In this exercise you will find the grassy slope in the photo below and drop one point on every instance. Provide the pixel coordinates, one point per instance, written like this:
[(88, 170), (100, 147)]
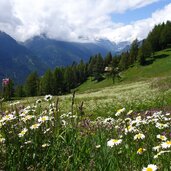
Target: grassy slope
[(160, 67)]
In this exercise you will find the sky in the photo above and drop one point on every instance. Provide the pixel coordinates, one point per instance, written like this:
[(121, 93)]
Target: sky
[(116, 20)]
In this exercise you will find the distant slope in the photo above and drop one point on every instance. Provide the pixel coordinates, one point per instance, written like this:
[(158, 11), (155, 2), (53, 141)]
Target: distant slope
[(61, 53), (16, 61), (160, 67)]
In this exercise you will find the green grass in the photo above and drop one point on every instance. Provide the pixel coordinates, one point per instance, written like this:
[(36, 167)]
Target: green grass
[(160, 67), (74, 142), (91, 86)]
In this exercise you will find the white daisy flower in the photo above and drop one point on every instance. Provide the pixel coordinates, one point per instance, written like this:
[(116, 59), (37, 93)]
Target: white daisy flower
[(161, 137), (23, 132), (28, 142), (120, 111), (139, 136), (113, 142), (161, 125), (43, 119), (48, 97), (98, 146), (166, 144), (130, 112), (108, 121), (45, 145), (8, 117), (35, 126), (150, 167), (38, 101), (2, 140), (27, 117), (157, 148)]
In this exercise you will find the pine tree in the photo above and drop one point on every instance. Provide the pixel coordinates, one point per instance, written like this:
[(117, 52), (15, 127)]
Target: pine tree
[(47, 83), (124, 61), (58, 81), (144, 52), (165, 36), (68, 79), (154, 37), (108, 59), (81, 71), (19, 91), (91, 65), (32, 84), (133, 52)]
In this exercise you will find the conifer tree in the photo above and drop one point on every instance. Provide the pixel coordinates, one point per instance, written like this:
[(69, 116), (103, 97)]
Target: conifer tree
[(165, 37), (154, 37), (133, 52), (144, 52), (68, 79), (32, 84), (19, 91), (108, 59), (47, 83), (58, 81), (124, 61)]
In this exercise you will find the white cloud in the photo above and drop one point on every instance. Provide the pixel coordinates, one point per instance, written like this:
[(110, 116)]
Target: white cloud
[(141, 28), (69, 19)]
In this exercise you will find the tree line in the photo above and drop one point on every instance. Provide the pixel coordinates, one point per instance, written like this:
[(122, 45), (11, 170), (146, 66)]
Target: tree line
[(63, 79)]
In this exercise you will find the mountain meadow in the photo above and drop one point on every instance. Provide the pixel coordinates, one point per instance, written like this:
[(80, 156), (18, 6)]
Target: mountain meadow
[(107, 113)]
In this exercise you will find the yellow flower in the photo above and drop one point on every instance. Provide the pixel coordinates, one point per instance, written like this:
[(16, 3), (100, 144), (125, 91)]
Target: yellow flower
[(141, 150)]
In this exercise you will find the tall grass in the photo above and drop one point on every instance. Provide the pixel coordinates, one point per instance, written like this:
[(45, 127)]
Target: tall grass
[(35, 137)]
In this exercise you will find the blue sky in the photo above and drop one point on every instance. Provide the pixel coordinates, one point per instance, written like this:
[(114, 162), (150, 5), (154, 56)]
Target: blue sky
[(140, 13)]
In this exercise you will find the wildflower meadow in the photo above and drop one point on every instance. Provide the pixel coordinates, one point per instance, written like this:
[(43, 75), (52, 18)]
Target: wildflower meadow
[(38, 137)]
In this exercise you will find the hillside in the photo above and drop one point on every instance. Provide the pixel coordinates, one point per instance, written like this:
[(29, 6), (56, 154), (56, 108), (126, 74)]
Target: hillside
[(159, 66)]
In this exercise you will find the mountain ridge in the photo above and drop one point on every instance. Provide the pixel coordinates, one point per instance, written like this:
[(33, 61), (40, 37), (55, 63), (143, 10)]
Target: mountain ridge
[(64, 53), (18, 59)]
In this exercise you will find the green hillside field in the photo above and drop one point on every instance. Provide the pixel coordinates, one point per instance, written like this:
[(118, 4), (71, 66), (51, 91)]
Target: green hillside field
[(157, 67)]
